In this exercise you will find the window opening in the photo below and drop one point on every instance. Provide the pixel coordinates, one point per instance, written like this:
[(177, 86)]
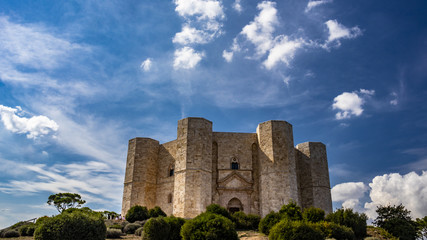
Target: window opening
[(234, 164)]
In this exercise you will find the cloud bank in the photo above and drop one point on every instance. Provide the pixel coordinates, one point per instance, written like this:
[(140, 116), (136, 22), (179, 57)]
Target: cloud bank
[(389, 189)]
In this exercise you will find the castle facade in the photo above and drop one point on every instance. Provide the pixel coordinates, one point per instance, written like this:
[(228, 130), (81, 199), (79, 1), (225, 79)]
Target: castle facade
[(250, 172)]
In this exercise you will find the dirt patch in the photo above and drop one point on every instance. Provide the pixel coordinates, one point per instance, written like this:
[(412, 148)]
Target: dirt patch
[(251, 235)]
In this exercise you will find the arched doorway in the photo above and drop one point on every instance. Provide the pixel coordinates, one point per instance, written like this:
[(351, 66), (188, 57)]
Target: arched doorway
[(234, 205)]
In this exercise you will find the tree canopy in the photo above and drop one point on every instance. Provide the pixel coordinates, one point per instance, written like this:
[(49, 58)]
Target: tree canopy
[(397, 221), (63, 201)]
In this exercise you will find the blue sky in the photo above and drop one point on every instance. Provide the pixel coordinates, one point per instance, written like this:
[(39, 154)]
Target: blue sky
[(78, 79)]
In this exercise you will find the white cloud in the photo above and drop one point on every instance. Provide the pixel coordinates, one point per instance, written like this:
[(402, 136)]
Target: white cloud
[(190, 35), (186, 58), (205, 9), (34, 127), (395, 100), (237, 6), (394, 189), (338, 31), (146, 65), (349, 190), (228, 56), (349, 104), (283, 51), (313, 4), (349, 194), (260, 31)]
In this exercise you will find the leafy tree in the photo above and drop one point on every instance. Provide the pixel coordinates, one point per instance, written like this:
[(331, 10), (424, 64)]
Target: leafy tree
[(348, 218), (62, 201), (397, 221), (313, 214), (422, 227)]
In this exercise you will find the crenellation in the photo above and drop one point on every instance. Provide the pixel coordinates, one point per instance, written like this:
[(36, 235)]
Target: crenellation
[(251, 172)]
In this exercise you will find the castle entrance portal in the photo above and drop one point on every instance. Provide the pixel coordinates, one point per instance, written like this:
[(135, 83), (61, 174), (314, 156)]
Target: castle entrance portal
[(234, 205)]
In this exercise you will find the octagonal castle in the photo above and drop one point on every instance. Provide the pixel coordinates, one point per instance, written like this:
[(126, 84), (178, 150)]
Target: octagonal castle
[(250, 172)]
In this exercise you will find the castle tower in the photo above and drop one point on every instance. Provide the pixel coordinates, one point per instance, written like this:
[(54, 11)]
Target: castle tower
[(193, 167), (277, 167), (141, 171), (313, 176)]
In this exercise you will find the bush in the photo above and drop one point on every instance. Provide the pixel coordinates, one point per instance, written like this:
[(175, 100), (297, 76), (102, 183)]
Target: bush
[(291, 211), (156, 212), (296, 230), (348, 218), (175, 224), (156, 229), (313, 214), (10, 234), (71, 226), (31, 229), (41, 220), (131, 228), (137, 213), (23, 230), (138, 231), (115, 226), (246, 222), (209, 226), (268, 222), (114, 233), (217, 209)]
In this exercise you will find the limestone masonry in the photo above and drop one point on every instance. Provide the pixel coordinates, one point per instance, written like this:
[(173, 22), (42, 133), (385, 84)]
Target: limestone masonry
[(250, 172)]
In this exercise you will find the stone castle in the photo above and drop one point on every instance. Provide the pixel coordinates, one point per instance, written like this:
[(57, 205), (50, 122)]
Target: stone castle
[(250, 172)]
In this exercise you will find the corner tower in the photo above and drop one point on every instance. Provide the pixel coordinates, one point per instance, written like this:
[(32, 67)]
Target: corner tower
[(141, 171), (193, 167), (277, 167), (313, 176)]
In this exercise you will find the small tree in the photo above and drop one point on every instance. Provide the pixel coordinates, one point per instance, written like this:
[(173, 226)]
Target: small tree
[(62, 201), (291, 211), (397, 221)]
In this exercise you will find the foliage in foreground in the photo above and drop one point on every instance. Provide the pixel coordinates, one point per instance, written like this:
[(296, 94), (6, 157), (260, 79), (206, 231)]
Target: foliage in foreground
[(137, 213), (298, 230), (70, 226), (209, 226)]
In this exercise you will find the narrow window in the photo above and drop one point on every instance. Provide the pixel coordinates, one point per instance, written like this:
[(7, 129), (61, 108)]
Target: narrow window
[(234, 163), (170, 198), (171, 172)]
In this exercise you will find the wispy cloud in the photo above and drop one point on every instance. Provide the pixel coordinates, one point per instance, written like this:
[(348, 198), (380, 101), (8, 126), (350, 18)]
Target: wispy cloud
[(350, 104), (237, 5), (146, 65), (313, 4)]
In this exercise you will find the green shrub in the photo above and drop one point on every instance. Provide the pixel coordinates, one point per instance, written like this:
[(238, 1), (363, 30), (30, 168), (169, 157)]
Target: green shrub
[(296, 230), (138, 231), (268, 222), (131, 228), (156, 212), (137, 213), (340, 232), (175, 224), (30, 230), (313, 214), (382, 232), (17, 225), (209, 226), (291, 211), (114, 233), (115, 226), (348, 218), (71, 226), (27, 229), (10, 234), (246, 222), (156, 229), (217, 209), (41, 220), (397, 221)]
